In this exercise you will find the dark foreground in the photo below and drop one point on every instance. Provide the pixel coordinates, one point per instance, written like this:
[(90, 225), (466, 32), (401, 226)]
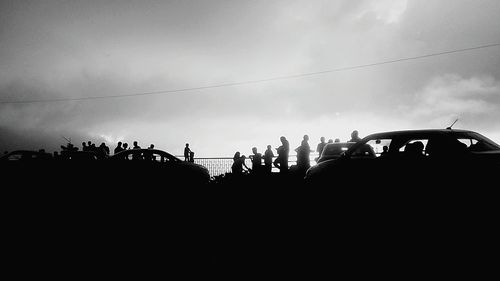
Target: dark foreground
[(72, 222)]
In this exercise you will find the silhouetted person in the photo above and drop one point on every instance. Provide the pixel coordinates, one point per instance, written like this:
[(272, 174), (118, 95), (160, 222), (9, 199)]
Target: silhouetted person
[(125, 146), (236, 156), (303, 153), (385, 150), (330, 141), (148, 155), (136, 155), (187, 152), (152, 146), (444, 148), (84, 146), (256, 161), (268, 159), (103, 149), (118, 148), (136, 146), (337, 140), (354, 136), (320, 146), (414, 150), (281, 161), (238, 164)]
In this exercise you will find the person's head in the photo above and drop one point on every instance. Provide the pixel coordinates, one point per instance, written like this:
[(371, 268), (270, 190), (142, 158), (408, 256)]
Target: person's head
[(243, 157), (354, 134), (418, 147), (187, 144), (385, 148), (337, 140), (282, 139), (89, 143), (254, 150), (135, 143), (119, 143), (237, 154), (269, 146), (306, 137), (84, 144), (125, 145), (152, 146), (322, 139), (330, 141)]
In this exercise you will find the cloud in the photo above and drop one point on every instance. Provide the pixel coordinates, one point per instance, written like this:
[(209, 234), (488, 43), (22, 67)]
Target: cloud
[(387, 11), (474, 100)]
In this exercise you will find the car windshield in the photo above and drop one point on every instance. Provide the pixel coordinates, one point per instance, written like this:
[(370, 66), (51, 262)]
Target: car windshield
[(478, 143)]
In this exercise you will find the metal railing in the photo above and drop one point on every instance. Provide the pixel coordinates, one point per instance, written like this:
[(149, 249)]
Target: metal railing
[(221, 165)]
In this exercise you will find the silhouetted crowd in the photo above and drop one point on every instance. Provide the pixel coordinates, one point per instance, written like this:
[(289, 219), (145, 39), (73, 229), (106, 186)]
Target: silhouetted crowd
[(262, 164)]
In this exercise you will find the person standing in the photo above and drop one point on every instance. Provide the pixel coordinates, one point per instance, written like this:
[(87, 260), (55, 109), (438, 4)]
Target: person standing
[(303, 154), (239, 166), (136, 146), (354, 136), (268, 159), (118, 148), (281, 161), (256, 161), (320, 147), (187, 153)]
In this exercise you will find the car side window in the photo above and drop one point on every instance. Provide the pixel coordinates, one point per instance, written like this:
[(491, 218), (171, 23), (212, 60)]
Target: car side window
[(157, 157), (14, 157), (475, 145), (415, 146), (130, 156), (374, 148)]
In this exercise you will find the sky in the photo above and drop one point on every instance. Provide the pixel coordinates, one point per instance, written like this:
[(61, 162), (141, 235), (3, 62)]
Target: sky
[(57, 49)]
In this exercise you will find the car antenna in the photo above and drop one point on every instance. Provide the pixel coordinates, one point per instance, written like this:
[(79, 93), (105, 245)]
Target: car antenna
[(449, 128), (66, 139)]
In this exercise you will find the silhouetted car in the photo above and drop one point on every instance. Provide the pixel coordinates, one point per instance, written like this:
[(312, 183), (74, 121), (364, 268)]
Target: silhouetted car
[(415, 155), (332, 151), (155, 165), (81, 156), (25, 155)]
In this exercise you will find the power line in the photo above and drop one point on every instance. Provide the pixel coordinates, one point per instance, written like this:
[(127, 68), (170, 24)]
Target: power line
[(255, 81)]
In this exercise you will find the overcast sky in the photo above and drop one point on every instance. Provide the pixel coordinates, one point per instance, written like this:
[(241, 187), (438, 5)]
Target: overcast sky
[(72, 49)]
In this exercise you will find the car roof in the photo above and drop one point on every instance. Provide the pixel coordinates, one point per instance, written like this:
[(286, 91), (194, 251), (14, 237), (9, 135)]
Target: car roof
[(418, 133), (144, 150), (340, 143)]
